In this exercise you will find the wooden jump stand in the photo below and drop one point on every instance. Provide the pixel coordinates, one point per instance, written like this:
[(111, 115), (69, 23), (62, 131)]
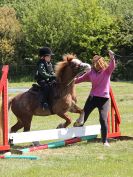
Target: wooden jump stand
[(4, 114), (114, 119)]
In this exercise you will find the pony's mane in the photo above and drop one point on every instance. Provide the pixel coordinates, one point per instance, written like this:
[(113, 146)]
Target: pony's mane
[(62, 64)]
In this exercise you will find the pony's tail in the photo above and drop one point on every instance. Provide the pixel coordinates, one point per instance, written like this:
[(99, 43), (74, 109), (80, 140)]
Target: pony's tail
[(1, 110), (9, 103)]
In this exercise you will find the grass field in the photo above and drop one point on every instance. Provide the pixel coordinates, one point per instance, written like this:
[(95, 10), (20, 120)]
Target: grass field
[(82, 159)]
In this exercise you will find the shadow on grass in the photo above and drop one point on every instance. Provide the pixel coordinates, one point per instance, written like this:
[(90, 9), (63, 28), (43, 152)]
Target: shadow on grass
[(124, 138), (17, 149), (120, 138)]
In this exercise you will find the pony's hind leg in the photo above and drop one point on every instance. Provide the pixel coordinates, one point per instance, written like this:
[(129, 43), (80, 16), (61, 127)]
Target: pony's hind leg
[(22, 123), (16, 127), (27, 123)]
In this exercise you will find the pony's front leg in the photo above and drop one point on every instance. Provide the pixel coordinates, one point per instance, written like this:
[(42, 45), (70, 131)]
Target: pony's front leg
[(67, 118), (80, 120)]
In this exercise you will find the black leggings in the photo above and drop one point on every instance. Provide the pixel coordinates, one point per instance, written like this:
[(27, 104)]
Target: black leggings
[(46, 90), (103, 106)]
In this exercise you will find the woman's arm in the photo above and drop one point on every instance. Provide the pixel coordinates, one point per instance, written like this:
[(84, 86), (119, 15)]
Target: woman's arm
[(84, 78), (112, 63)]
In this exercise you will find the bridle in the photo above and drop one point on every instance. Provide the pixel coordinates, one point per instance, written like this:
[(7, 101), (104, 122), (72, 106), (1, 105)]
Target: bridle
[(69, 83), (79, 74)]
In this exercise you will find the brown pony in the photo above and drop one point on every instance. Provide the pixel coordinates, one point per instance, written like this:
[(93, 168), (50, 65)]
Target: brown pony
[(27, 104)]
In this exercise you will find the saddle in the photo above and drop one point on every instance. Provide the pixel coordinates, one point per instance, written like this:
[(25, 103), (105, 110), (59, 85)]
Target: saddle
[(36, 88), (39, 91)]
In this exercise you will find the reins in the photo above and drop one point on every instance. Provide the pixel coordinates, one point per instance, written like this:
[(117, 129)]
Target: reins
[(74, 78), (63, 83), (67, 85)]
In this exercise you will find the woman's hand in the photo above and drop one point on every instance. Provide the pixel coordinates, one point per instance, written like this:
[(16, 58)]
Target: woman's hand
[(111, 54)]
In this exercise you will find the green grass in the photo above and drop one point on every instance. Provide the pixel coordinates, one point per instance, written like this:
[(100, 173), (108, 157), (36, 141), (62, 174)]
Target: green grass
[(20, 84), (82, 159)]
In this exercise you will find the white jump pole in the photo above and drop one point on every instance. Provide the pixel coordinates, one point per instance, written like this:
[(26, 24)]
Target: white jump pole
[(53, 134)]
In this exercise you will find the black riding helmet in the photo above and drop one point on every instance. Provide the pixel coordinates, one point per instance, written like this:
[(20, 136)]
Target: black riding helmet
[(44, 51)]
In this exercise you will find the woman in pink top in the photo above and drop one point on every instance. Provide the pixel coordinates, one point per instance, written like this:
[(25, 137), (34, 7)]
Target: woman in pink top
[(99, 76)]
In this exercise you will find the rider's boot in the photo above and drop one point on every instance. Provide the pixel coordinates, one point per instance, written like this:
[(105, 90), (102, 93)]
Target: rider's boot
[(45, 105)]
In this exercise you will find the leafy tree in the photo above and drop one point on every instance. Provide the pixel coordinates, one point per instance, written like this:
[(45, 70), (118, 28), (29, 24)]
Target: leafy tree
[(9, 34), (123, 14), (93, 32), (84, 27), (78, 26), (123, 18)]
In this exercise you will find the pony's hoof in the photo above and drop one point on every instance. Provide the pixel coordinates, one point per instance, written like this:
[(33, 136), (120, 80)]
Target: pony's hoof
[(60, 126), (36, 143), (78, 124)]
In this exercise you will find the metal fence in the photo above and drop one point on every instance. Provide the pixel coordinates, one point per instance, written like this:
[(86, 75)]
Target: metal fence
[(26, 73), (21, 72)]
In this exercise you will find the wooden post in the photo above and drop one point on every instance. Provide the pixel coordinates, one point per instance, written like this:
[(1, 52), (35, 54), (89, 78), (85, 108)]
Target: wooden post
[(115, 119), (4, 110)]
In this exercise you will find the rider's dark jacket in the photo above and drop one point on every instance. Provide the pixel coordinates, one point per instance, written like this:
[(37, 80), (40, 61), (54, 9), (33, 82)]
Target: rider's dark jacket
[(44, 71)]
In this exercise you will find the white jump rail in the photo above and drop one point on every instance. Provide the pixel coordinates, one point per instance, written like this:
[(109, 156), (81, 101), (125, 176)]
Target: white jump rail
[(53, 134)]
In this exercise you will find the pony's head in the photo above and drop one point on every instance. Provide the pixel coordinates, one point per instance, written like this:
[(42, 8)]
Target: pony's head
[(70, 67)]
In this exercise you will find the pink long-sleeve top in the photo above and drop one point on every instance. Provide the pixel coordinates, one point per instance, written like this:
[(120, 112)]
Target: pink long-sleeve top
[(100, 80)]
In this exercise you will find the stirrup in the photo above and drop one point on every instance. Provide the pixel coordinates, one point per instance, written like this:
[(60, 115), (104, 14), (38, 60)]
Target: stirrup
[(45, 105)]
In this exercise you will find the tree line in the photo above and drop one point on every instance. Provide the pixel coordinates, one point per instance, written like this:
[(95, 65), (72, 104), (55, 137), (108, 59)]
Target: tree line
[(83, 27)]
